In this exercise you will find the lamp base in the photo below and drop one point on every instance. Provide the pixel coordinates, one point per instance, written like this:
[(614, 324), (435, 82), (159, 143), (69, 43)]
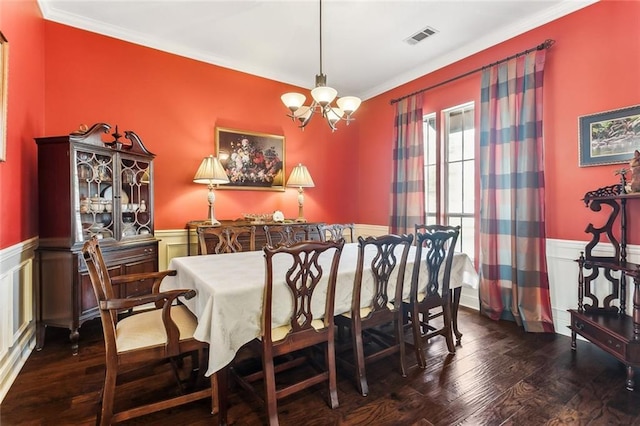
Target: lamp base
[(301, 220)]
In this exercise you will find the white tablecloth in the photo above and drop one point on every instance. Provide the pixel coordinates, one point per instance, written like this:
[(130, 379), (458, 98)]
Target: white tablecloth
[(230, 288)]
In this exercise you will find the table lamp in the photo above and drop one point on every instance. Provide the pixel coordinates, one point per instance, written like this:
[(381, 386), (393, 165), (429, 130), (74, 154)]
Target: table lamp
[(300, 178), (211, 173)]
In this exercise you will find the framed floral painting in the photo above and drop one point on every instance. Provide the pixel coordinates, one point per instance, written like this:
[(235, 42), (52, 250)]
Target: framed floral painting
[(253, 161)]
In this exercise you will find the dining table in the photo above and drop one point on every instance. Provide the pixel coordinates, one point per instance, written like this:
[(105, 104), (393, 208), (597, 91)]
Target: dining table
[(229, 293)]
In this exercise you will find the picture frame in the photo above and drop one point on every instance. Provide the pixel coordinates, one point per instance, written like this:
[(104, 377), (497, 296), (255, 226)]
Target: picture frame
[(4, 71), (252, 161), (609, 137)]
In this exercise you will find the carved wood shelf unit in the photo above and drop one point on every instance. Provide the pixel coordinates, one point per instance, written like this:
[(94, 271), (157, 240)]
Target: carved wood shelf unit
[(600, 321)]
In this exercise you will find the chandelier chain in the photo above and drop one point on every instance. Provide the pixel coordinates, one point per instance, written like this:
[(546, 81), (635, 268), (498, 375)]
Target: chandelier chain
[(322, 98), (320, 36)]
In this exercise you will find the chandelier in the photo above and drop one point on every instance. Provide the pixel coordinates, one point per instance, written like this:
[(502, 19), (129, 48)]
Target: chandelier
[(323, 96)]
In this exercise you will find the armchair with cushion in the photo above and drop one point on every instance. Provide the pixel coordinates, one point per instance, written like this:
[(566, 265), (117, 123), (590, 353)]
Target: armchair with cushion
[(143, 337)]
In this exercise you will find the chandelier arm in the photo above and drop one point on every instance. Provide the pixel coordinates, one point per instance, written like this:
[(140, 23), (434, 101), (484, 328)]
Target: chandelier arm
[(304, 122)]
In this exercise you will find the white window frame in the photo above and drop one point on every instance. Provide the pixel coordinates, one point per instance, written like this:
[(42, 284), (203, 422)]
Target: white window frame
[(440, 168)]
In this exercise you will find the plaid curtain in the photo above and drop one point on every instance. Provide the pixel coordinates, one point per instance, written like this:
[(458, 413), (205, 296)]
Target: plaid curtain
[(407, 201), (514, 282)]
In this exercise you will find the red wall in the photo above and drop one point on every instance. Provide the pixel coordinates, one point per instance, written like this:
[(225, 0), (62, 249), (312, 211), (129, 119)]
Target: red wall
[(174, 105), (22, 25), (593, 67)]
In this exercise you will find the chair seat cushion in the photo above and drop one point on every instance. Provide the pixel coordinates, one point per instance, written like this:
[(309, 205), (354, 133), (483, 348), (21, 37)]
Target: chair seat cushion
[(146, 329), (364, 312), (281, 332)]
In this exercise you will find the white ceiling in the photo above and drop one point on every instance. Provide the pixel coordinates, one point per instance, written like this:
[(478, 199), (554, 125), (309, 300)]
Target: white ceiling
[(364, 48)]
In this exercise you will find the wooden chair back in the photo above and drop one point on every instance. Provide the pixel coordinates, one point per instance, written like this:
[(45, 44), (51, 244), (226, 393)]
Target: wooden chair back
[(241, 238), (212, 240), (387, 257), (102, 288), (302, 278), (226, 239), (336, 231), (306, 281), (277, 235), (387, 268), (439, 242), (430, 307)]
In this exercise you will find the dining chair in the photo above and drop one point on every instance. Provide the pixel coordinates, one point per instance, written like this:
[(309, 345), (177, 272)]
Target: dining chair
[(241, 238), (288, 346), (226, 239), (376, 302), (161, 334), (429, 298), (211, 239), (286, 234), (336, 231)]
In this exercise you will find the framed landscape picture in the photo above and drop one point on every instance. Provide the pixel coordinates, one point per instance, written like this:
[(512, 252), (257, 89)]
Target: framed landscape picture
[(609, 137), (253, 161)]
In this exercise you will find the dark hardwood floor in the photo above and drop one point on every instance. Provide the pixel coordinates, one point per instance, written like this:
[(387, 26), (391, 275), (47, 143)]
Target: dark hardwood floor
[(499, 376)]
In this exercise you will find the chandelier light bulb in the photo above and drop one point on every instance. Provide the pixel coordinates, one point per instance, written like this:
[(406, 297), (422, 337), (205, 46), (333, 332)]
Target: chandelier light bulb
[(334, 115), (349, 104), (303, 113), (293, 100), (324, 95)]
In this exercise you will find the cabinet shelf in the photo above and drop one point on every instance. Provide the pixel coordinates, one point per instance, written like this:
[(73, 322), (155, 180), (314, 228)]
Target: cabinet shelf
[(629, 268)]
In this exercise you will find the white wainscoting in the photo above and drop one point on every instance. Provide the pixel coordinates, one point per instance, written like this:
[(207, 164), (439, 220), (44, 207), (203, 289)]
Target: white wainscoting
[(563, 278), (17, 290), (17, 310)]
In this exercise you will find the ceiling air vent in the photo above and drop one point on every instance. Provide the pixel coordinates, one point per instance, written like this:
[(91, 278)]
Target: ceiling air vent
[(421, 35)]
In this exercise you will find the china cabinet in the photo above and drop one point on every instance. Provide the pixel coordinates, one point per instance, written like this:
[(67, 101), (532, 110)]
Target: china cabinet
[(91, 183), (602, 280)]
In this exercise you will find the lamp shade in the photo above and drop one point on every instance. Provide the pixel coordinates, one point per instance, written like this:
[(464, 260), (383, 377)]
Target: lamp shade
[(348, 104), (293, 100), (324, 94), (300, 177), (211, 172)]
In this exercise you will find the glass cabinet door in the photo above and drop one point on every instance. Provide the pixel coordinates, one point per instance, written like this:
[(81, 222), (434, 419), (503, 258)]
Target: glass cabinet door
[(135, 203), (93, 198)]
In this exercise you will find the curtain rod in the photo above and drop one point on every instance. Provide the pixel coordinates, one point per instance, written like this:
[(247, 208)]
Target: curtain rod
[(545, 45)]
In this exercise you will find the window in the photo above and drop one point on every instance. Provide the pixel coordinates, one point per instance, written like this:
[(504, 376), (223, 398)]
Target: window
[(450, 172)]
